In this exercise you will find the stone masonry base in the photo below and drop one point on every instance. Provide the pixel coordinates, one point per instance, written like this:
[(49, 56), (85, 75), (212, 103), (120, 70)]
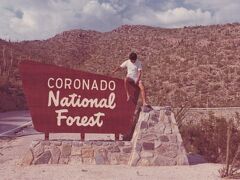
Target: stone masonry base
[(156, 142)]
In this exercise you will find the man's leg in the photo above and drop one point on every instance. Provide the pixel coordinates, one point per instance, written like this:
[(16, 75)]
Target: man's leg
[(143, 94), (126, 81)]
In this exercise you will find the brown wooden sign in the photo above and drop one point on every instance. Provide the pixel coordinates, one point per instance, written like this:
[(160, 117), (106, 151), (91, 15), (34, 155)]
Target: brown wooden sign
[(65, 100)]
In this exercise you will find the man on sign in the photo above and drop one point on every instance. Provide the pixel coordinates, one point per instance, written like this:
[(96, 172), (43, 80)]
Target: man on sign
[(134, 72)]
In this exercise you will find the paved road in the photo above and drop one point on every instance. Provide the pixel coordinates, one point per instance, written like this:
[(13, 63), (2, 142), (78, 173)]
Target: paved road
[(13, 120)]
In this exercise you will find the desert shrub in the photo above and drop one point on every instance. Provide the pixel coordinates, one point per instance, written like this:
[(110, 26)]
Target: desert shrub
[(208, 138), (231, 169)]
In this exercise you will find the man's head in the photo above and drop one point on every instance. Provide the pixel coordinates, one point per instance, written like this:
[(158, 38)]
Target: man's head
[(133, 57)]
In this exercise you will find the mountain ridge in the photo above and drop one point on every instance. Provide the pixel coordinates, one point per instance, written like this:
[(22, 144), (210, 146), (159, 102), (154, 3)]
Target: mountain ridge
[(198, 66)]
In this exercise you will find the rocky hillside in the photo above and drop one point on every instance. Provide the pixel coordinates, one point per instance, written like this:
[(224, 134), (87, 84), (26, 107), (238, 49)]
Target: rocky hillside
[(199, 66)]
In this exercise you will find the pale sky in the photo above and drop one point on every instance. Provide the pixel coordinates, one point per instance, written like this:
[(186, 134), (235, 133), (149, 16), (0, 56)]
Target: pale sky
[(41, 19)]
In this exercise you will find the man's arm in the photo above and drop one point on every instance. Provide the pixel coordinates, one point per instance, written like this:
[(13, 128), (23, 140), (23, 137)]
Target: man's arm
[(123, 65), (116, 69)]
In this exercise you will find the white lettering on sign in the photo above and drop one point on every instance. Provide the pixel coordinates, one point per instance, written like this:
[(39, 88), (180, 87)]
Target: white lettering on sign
[(77, 101), (74, 100), (94, 120), (84, 84), (49, 83)]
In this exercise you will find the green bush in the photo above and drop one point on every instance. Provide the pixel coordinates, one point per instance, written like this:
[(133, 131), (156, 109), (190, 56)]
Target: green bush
[(209, 136)]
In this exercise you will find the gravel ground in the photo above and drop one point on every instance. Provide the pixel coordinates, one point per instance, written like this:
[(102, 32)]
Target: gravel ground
[(12, 151)]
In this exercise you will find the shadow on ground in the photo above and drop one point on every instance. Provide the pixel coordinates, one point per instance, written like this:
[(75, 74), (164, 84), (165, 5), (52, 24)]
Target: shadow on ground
[(194, 159)]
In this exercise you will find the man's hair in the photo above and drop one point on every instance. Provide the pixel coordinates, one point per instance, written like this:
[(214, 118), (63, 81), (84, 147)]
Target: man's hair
[(133, 56)]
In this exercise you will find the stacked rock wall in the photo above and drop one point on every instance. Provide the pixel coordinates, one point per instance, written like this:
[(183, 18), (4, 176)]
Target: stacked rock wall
[(77, 152), (156, 141)]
